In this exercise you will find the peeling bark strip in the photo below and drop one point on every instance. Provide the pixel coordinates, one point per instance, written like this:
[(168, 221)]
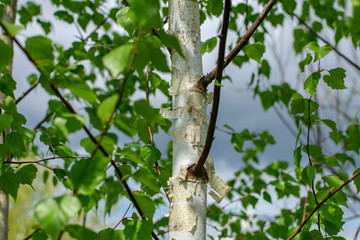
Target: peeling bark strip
[(188, 197)]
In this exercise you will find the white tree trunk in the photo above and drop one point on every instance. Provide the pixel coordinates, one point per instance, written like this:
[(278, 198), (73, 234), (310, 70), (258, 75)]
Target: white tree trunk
[(9, 16), (188, 196)]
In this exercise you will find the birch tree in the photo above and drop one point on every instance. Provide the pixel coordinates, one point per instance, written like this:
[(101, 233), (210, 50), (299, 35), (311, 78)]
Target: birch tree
[(104, 88)]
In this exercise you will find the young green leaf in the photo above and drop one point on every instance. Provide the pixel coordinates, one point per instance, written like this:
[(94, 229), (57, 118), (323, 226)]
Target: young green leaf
[(6, 55), (107, 107), (12, 29), (87, 173), (170, 41), (308, 174), (117, 60), (5, 121), (125, 21), (9, 182), (41, 50), (297, 104), (297, 156), (81, 89), (336, 78), (208, 45), (255, 51), (7, 85), (81, 233), (333, 181), (27, 174), (330, 123), (148, 179), (54, 214), (312, 82), (320, 52), (357, 180), (305, 62), (150, 154), (143, 108)]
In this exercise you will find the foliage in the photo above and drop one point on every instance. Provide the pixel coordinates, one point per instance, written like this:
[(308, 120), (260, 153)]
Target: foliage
[(116, 55)]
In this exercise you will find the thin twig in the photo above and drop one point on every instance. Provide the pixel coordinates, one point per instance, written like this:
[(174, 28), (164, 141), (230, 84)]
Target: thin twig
[(310, 163), (43, 120), (357, 233), (31, 234), (327, 42), (148, 123), (231, 202), (43, 160), (122, 217), (198, 168), (205, 81), (27, 91), (321, 203)]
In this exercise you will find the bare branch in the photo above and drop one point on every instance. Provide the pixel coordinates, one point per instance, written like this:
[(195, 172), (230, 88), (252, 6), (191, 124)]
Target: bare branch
[(199, 166), (205, 81)]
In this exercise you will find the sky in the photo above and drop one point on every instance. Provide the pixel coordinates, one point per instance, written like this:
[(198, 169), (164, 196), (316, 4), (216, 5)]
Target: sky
[(238, 107)]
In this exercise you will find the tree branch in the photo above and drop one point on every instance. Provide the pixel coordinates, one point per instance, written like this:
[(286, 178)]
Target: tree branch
[(205, 81), (327, 42), (321, 203), (71, 109), (199, 166)]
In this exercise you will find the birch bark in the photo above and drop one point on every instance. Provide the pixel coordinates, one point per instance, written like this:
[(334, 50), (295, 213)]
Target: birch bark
[(187, 219), (8, 16)]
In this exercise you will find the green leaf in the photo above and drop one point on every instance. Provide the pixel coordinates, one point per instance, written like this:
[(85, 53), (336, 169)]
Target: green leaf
[(312, 82), (255, 51), (87, 173), (312, 235), (315, 151), (54, 214), (65, 16), (297, 156), (146, 204), (82, 90), (148, 179), (297, 104), (267, 99), (170, 41), (69, 123), (308, 174), (145, 12), (7, 85), (27, 174), (111, 234), (106, 108), (41, 50), (150, 154), (333, 181), (143, 108), (336, 78), (5, 121), (81, 233), (117, 60), (305, 62), (320, 52), (267, 196), (107, 143), (357, 180), (14, 141), (125, 21), (9, 182), (12, 29), (6, 55), (330, 123), (333, 214), (208, 45)]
